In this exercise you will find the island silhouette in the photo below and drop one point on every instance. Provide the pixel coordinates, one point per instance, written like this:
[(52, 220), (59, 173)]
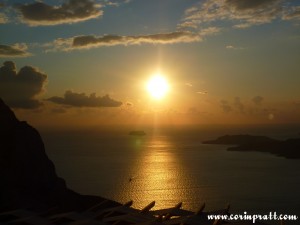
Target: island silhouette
[(289, 148)]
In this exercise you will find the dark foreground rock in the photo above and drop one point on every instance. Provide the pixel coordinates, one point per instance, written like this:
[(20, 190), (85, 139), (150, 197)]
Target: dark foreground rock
[(289, 148), (27, 177)]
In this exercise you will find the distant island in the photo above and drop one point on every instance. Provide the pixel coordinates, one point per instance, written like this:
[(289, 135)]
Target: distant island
[(137, 133), (289, 148)]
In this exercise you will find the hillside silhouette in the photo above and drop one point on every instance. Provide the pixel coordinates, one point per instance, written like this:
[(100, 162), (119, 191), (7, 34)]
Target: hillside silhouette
[(28, 176), (289, 148)]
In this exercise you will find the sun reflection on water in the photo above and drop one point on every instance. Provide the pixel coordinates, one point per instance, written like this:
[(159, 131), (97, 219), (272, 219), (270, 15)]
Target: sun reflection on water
[(158, 174)]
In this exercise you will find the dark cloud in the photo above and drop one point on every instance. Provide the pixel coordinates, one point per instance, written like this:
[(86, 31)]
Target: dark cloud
[(192, 110), (164, 38), (242, 13), (39, 13), (82, 41), (254, 12), (3, 17), (292, 13), (246, 4), (90, 41), (17, 50), (257, 100), (59, 110), (225, 106), (238, 104), (82, 100), (20, 89)]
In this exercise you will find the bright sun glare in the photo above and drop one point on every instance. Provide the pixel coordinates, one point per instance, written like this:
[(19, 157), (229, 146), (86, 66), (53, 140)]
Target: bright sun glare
[(157, 86)]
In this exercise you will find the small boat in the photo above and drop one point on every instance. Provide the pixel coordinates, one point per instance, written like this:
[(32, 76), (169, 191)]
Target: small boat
[(137, 133)]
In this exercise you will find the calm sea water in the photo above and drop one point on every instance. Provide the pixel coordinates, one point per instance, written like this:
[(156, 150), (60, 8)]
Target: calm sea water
[(172, 166)]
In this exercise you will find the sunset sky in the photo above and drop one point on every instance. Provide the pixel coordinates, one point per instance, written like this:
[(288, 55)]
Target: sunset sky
[(89, 62)]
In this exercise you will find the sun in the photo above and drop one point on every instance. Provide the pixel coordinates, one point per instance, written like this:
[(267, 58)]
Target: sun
[(158, 86)]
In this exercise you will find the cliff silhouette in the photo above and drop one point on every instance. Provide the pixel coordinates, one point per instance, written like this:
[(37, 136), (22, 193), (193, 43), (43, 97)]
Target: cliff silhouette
[(28, 176), (289, 148)]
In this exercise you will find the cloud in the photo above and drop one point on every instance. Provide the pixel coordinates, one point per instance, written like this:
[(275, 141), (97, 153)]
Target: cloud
[(82, 100), (231, 47), (245, 108), (3, 18), (257, 100), (20, 89), (238, 104), (241, 13), (292, 13), (209, 31), (225, 106), (188, 24), (59, 110), (258, 110), (73, 11), (90, 41), (249, 5), (116, 2), (16, 50), (192, 110)]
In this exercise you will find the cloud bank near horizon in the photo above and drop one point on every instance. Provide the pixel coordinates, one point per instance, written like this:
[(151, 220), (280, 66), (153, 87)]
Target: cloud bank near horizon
[(82, 100), (92, 41)]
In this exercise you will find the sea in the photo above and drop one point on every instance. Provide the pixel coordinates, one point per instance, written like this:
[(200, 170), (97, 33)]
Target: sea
[(170, 165)]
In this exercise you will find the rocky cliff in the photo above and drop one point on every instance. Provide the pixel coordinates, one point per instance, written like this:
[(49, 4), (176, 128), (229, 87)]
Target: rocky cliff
[(28, 177)]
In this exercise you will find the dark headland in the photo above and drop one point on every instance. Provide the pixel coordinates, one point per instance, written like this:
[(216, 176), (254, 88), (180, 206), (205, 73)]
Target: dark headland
[(289, 148), (28, 179)]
